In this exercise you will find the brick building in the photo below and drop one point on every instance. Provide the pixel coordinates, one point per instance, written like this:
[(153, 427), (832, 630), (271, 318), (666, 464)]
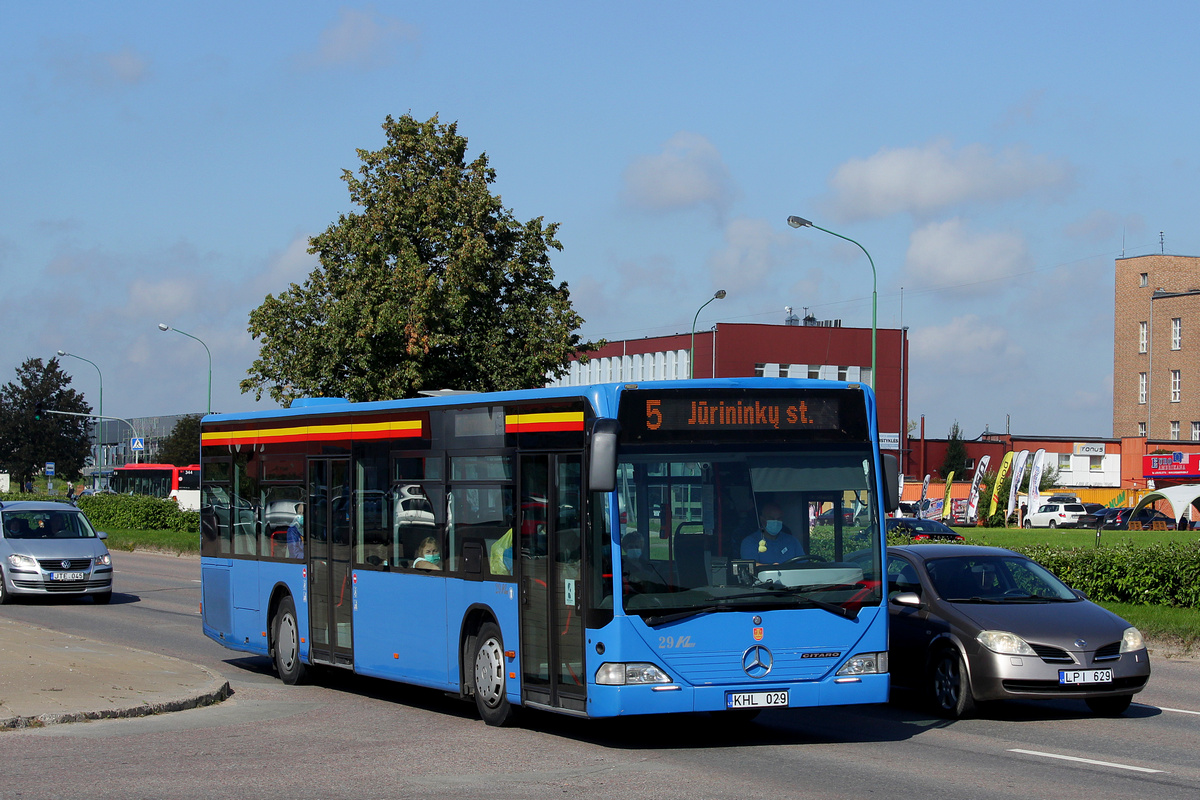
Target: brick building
[(1156, 348)]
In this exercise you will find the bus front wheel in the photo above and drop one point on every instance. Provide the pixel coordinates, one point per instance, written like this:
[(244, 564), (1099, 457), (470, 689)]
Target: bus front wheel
[(488, 677), (287, 643)]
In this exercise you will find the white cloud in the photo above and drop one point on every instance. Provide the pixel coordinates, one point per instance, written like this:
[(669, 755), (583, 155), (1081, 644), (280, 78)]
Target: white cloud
[(688, 173), (72, 65), (971, 344), (292, 265), (948, 254), (749, 253), (360, 38), (924, 180)]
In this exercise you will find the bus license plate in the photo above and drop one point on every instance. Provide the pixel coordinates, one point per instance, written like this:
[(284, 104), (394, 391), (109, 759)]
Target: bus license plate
[(756, 699), (67, 576), (1085, 676)]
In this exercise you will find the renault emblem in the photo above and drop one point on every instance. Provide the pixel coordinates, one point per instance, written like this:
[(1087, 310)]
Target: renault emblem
[(757, 661)]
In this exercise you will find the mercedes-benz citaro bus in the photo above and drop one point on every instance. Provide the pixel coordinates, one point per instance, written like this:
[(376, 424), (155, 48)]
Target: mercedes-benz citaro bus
[(597, 551)]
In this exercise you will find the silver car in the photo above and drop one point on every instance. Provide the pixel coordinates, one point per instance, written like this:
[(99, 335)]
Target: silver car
[(973, 624), (52, 549)]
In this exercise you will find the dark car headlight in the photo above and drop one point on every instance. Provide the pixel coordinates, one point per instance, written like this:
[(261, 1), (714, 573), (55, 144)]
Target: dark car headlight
[(1132, 640), (1005, 643)]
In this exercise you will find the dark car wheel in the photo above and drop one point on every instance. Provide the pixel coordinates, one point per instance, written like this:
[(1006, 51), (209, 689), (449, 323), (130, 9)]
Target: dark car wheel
[(951, 686), (1109, 706), (4, 598)]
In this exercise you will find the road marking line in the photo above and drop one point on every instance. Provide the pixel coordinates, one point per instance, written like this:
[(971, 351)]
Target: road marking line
[(1085, 760), (1176, 710)]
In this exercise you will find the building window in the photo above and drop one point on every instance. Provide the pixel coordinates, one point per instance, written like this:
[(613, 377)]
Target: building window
[(1142, 388), (1095, 463), (1175, 429), (969, 463), (1176, 332), (843, 373), (814, 371), (1145, 279), (1064, 462), (759, 370), (1196, 431), (1175, 381), (1142, 429), (1142, 338)]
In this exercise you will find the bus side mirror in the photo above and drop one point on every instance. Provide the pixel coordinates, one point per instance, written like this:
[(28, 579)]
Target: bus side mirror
[(891, 482), (602, 467)]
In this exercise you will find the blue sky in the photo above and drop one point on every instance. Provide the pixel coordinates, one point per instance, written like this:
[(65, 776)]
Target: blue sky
[(167, 162)]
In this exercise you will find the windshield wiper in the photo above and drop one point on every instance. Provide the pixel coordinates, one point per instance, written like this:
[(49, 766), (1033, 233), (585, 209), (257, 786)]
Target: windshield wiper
[(675, 616)]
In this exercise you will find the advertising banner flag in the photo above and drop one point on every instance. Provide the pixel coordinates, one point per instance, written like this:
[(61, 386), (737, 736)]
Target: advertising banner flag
[(946, 499), (973, 498), (1019, 465), (921, 506), (1035, 477), (1005, 463)]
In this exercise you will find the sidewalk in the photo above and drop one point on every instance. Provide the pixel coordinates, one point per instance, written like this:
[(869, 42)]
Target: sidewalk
[(48, 677)]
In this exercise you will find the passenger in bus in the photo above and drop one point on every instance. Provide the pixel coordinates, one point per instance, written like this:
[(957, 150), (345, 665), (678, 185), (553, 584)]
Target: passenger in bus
[(771, 543), (295, 534), (637, 572), (428, 555)]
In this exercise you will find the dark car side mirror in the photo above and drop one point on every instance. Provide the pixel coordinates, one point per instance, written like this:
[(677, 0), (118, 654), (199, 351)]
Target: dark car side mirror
[(910, 599), (1080, 593)]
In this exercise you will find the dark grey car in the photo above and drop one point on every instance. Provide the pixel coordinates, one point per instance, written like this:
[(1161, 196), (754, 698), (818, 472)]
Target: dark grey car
[(972, 624), (51, 549)]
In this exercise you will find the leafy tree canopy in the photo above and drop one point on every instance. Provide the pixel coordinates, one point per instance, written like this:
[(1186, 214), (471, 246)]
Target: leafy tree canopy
[(182, 446), (432, 284), (956, 453), (29, 437)]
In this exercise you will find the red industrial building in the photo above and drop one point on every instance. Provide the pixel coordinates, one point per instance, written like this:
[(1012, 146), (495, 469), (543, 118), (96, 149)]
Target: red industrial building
[(815, 349)]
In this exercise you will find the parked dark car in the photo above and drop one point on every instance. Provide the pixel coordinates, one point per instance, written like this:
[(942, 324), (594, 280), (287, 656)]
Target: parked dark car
[(972, 624), (1100, 518), (1146, 516), (922, 530)]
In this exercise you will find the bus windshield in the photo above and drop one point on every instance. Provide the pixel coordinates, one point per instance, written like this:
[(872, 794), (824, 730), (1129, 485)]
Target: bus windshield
[(756, 528)]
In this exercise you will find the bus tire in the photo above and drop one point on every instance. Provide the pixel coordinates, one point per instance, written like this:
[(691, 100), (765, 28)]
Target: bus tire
[(488, 677), (286, 643)]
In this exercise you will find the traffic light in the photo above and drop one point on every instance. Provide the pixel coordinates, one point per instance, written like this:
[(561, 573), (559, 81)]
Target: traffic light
[(39, 409)]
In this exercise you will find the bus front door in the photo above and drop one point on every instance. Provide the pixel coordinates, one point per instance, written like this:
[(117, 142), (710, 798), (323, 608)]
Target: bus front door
[(552, 635), (330, 591)]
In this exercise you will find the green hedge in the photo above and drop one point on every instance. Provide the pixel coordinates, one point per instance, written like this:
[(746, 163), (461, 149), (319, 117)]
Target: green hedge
[(126, 512), (1161, 574)]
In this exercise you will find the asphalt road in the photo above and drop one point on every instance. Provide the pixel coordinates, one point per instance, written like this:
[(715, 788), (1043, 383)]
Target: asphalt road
[(351, 737)]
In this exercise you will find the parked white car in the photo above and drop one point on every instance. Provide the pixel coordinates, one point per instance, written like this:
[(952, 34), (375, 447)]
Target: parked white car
[(1056, 515)]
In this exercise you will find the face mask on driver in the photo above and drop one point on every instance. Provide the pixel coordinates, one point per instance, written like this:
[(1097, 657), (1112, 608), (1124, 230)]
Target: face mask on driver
[(773, 526), (635, 552)]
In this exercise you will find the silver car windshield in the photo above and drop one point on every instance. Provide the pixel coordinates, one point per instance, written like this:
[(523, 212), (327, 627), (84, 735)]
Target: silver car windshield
[(995, 579), (705, 531), (47, 525)]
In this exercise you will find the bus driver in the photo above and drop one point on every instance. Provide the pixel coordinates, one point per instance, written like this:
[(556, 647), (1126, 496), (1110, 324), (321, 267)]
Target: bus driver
[(771, 543)]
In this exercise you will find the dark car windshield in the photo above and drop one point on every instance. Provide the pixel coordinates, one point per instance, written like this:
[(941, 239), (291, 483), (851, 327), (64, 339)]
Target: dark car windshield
[(918, 525), (46, 525), (995, 579)]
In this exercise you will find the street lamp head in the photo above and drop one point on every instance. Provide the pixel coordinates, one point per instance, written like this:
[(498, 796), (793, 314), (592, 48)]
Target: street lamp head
[(799, 222), (162, 326), (63, 352), (720, 295)]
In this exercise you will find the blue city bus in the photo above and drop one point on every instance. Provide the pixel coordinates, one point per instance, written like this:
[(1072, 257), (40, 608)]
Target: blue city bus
[(592, 550)]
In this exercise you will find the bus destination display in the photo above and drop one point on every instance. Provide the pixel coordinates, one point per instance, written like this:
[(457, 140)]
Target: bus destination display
[(682, 413)]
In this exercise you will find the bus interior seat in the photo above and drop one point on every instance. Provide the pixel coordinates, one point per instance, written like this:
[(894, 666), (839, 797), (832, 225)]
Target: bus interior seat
[(691, 565)]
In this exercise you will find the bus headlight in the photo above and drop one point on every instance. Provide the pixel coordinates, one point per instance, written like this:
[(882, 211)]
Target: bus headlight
[(1132, 640), (865, 664), (630, 674)]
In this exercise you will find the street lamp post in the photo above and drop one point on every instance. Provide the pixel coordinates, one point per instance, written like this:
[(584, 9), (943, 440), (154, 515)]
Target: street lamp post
[(99, 423), (720, 295), (162, 326), (801, 222)]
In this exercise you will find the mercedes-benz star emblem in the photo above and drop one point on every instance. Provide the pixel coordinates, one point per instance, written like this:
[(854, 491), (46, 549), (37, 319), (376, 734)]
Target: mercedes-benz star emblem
[(757, 661), (66, 562)]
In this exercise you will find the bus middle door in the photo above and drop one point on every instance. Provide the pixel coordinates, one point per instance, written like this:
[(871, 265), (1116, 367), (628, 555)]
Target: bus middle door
[(330, 588)]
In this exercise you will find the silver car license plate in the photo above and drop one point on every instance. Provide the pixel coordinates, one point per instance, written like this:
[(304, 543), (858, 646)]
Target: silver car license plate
[(756, 699), (1074, 676), (67, 576)]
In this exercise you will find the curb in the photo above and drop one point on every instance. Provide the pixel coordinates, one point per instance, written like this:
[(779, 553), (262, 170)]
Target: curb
[(214, 693)]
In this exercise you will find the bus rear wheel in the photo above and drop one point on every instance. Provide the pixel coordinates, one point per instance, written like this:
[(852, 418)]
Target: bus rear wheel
[(488, 677), (286, 641)]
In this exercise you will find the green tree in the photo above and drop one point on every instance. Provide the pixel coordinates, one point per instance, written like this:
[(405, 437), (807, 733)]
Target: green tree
[(956, 453), (433, 284), (182, 446), (29, 435)]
